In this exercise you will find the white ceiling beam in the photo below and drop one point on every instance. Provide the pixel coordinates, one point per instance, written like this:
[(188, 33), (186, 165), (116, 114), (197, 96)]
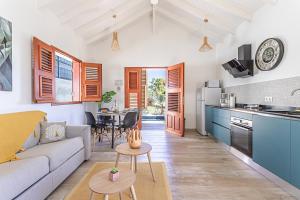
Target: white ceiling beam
[(230, 8), (154, 4), (124, 9), (122, 24), (188, 25), (201, 15), (92, 7)]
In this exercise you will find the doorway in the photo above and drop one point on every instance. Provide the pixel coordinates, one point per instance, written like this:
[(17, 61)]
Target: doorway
[(165, 108), (153, 115)]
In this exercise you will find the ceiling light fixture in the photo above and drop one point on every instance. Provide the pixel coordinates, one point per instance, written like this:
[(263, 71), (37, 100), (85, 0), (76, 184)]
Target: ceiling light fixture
[(115, 46), (205, 46)]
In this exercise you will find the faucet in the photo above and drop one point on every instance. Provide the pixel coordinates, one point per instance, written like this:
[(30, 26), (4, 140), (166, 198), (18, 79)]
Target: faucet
[(294, 91)]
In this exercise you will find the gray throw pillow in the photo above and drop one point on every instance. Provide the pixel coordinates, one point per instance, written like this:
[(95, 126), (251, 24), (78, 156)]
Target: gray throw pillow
[(52, 132)]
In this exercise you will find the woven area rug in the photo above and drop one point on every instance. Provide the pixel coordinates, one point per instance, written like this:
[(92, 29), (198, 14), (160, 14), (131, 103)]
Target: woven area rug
[(145, 188)]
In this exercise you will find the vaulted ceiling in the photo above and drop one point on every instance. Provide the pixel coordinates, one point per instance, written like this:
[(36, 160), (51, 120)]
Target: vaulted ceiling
[(92, 19)]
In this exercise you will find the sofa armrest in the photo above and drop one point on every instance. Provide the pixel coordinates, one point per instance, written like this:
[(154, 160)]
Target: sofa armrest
[(83, 131)]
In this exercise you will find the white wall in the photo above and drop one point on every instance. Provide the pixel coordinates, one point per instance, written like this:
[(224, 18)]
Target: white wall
[(170, 45), (28, 21), (279, 20)]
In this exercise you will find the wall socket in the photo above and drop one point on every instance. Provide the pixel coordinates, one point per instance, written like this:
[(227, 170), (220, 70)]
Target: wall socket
[(268, 99)]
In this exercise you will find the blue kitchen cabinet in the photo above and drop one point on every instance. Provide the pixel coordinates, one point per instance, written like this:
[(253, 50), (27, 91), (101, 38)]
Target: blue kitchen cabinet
[(221, 117), (295, 153), (241, 115), (208, 119), (221, 133), (272, 144)]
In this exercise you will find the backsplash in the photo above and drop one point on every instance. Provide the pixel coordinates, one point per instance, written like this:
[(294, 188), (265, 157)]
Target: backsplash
[(280, 90)]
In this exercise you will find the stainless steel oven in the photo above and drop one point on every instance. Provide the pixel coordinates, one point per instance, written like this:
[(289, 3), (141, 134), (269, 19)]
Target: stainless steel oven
[(241, 135)]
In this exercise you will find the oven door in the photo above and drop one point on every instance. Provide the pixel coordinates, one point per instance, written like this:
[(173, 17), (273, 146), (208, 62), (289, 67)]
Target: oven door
[(241, 139)]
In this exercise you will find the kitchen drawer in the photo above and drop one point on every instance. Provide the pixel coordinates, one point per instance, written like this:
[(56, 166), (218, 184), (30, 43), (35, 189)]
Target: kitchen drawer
[(241, 115), (221, 117), (221, 133)]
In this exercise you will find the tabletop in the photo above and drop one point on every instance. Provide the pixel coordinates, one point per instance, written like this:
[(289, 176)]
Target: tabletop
[(126, 150), (111, 113), (101, 184)]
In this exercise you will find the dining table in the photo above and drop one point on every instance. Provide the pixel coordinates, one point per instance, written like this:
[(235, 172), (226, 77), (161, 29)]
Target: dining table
[(113, 115)]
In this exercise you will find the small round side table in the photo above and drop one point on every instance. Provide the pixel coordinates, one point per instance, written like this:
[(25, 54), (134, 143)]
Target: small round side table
[(101, 184), (124, 149)]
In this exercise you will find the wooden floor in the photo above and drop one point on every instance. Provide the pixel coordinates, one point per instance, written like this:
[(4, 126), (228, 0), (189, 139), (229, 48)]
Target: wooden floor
[(198, 168)]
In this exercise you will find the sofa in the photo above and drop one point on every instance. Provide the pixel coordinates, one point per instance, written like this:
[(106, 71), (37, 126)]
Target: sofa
[(43, 167)]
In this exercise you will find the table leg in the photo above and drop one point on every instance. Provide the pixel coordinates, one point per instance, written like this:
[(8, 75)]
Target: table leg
[(117, 160), (150, 164), (91, 195), (135, 164), (133, 193), (120, 195), (113, 133), (106, 197), (131, 163)]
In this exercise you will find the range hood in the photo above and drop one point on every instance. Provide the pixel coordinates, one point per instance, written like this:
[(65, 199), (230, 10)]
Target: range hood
[(243, 66)]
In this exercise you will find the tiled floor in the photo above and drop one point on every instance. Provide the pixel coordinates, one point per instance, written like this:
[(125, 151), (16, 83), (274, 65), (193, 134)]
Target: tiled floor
[(198, 168)]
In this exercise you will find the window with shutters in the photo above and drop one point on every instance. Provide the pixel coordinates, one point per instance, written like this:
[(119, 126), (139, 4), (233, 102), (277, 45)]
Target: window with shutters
[(91, 81), (61, 78)]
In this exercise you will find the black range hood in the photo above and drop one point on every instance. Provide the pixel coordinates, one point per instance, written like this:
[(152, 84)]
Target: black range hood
[(243, 66)]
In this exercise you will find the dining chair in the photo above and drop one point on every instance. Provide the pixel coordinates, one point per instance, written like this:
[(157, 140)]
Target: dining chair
[(95, 127), (129, 122)]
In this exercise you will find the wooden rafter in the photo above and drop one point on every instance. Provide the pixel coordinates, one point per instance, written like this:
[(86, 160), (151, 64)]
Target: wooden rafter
[(190, 26), (228, 7), (94, 9), (200, 14), (105, 21), (102, 34)]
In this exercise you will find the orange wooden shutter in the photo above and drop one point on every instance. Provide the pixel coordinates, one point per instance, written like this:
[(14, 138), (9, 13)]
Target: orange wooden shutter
[(76, 80), (43, 72), (91, 82), (175, 99), (133, 89)]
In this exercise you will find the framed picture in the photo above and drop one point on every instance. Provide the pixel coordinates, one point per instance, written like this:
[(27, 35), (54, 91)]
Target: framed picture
[(5, 55)]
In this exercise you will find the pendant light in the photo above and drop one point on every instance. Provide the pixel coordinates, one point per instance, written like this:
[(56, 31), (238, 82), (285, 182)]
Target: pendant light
[(205, 46), (115, 46)]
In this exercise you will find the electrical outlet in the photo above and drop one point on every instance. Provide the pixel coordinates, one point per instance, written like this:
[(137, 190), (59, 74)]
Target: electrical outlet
[(268, 99)]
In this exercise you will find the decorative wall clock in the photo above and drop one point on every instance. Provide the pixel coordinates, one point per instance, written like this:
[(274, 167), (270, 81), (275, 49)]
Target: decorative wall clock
[(269, 54)]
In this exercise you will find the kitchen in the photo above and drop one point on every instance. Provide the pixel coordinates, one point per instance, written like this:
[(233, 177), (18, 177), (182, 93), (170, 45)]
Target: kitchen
[(258, 122)]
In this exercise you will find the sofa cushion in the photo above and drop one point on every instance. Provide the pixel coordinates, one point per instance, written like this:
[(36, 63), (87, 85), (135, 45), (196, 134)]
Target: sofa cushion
[(17, 176), (57, 152)]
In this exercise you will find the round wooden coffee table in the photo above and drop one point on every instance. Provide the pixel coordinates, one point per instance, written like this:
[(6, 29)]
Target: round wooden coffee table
[(101, 184), (124, 149)]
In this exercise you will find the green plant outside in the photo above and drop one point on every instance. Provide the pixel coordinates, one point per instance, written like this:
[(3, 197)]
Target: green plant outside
[(156, 96)]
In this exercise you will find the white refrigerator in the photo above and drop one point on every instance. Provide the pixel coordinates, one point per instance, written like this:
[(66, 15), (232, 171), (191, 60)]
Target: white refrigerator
[(205, 96)]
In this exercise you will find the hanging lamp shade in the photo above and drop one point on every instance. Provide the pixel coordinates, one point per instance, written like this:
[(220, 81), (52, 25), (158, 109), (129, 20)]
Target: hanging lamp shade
[(205, 46), (115, 46)]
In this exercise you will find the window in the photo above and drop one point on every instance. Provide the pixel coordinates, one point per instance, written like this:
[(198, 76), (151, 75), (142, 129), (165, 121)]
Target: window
[(63, 78), (60, 78)]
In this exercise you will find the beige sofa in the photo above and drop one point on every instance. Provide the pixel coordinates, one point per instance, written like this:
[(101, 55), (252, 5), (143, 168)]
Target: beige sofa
[(43, 167)]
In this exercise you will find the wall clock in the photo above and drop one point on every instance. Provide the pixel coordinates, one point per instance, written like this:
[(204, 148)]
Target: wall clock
[(269, 54)]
